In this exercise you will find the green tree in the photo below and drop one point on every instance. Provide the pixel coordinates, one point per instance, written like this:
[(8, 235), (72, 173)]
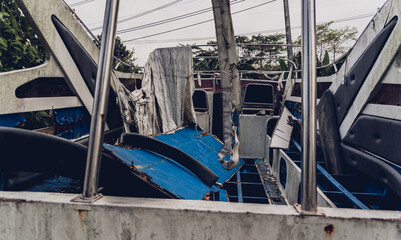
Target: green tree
[(271, 53), (36, 120), (261, 54), (122, 53), (334, 39), (329, 42), (206, 59), (19, 46), (326, 59), (321, 31)]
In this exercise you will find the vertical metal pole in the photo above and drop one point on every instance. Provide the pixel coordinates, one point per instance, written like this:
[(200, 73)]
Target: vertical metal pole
[(288, 29), (90, 189), (309, 191)]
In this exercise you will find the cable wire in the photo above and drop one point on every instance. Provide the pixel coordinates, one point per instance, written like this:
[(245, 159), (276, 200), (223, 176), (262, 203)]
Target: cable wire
[(173, 19), (195, 24), (128, 18), (80, 3), (251, 33)]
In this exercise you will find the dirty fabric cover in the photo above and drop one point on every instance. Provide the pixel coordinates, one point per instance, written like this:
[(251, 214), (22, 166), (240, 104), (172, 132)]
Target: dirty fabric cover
[(164, 102)]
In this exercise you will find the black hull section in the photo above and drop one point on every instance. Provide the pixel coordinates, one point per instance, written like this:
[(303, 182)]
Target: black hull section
[(26, 151)]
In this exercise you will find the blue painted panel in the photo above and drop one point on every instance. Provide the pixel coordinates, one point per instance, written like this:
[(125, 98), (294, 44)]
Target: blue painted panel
[(57, 184), (71, 123), (294, 108), (166, 173), (12, 120), (169, 174), (355, 201), (202, 148)]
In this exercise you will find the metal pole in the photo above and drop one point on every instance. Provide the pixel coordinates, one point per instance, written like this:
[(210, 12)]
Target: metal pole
[(288, 29), (90, 189), (309, 191)]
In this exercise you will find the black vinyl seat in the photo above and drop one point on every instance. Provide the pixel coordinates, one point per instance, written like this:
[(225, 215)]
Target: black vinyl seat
[(258, 97), (362, 148), (28, 151), (370, 144), (200, 101)]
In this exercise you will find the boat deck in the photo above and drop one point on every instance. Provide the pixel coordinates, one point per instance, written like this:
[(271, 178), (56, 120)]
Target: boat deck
[(254, 183)]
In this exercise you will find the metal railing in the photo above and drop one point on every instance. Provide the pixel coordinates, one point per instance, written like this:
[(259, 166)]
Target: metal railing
[(100, 102), (309, 91)]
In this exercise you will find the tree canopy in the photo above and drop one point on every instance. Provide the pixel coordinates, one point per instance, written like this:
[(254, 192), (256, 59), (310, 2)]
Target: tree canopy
[(266, 57), (332, 40), (122, 53), (19, 45), (329, 43)]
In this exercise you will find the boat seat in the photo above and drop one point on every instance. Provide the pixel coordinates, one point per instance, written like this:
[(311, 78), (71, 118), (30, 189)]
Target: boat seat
[(374, 167), (368, 147), (200, 101), (356, 76), (329, 137), (258, 97), (377, 135)]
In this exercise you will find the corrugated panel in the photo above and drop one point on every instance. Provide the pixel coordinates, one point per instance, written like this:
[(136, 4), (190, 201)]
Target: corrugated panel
[(201, 146), (166, 173), (173, 177)]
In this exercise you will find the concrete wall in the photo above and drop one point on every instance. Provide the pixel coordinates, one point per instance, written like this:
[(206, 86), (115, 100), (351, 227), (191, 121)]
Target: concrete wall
[(53, 216)]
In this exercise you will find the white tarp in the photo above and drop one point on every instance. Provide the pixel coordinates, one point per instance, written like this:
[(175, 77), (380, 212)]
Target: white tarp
[(164, 103)]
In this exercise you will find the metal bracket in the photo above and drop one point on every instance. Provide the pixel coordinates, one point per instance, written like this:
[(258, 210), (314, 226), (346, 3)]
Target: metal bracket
[(319, 211), (82, 199)]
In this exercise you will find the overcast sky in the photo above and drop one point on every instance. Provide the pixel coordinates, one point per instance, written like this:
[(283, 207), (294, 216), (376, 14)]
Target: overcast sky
[(260, 18)]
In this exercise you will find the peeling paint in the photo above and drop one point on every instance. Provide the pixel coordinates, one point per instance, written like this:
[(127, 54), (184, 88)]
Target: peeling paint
[(204, 134)]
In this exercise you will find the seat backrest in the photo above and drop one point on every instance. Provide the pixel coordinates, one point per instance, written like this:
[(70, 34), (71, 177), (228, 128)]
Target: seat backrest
[(258, 96), (200, 101)]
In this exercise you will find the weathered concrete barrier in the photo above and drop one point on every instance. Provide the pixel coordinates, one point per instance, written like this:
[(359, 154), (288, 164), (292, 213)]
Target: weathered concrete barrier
[(52, 216)]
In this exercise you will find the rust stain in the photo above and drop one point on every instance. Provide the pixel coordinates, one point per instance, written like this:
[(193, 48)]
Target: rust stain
[(329, 229), (122, 146), (204, 134), (208, 196), (211, 196), (82, 214), (215, 137)]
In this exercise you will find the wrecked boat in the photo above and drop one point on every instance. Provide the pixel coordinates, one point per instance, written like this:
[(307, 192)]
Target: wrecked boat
[(164, 137)]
